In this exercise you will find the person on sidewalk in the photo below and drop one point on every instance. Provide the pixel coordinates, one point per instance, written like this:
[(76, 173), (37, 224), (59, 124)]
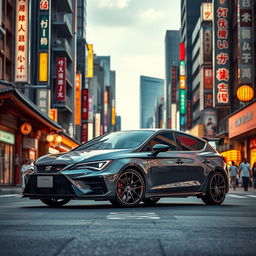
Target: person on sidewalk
[(245, 171), (24, 169), (254, 174), (233, 172)]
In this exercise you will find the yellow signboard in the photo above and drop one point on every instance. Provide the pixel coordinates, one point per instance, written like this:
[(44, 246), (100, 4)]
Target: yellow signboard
[(89, 71), (43, 67), (78, 99), (182, 82), (113, 115), (54, 114)]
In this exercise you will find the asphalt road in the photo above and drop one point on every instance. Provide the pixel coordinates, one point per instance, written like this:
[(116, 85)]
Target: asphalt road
[(172, 227)]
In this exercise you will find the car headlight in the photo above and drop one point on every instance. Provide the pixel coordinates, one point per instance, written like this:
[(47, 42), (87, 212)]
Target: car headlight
[(98, 165)]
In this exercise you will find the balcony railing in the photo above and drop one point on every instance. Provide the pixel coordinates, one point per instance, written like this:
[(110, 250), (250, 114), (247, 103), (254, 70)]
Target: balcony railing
[(62, 43), (63, 20)]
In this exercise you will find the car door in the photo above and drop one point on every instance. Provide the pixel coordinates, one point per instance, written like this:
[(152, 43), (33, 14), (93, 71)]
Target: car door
[(165, 170), (194, 168)]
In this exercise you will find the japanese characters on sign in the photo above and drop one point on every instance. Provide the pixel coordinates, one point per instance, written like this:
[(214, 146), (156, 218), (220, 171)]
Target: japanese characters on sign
[(44, 31), (221, 53), (61, 64), (174, 83), (54, 114), (206, 87), (245, 42), (206, 50), (42, 100), (206, 11), (84, 127), (21, 41), (44, 5), (78, 98)]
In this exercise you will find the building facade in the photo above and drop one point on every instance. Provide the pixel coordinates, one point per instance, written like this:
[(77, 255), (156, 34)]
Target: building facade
[(151, 89), (172, 41)]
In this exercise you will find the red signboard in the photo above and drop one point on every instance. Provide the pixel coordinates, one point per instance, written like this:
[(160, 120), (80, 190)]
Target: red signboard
[(182, 51), (84, 132), (61, 64), (85, 104), (174, 83), (208, 78)]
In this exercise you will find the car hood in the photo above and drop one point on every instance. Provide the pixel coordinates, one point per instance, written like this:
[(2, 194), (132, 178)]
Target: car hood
[(73, 157)]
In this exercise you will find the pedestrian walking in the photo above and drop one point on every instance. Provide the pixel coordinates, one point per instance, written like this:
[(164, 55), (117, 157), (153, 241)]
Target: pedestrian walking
[(254, 174), (245, 172), (24, 169), (233, 172)]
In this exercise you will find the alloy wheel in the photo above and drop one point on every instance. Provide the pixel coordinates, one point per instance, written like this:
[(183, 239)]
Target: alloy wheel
[(218, 187), (130, 188)]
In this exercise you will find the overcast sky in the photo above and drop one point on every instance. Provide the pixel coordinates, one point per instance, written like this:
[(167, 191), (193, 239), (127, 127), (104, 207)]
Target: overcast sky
[(132, 32)]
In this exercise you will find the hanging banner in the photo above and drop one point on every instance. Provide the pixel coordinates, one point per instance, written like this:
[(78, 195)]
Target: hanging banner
[(221, 52), (44, 31), (210, 122), (61, 64), (21, 41)]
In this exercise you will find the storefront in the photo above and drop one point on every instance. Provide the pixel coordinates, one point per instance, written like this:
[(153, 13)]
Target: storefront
[(24, 130), (242, 132)]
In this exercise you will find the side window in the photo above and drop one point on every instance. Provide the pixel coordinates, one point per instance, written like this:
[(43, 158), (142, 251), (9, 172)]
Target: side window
[(166, 138), (187, 143)]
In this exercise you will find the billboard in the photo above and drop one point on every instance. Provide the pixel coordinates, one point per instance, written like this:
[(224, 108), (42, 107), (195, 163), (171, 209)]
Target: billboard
[(221, 53), (209, 122), (60, 88), (89, 69), (21, 41)]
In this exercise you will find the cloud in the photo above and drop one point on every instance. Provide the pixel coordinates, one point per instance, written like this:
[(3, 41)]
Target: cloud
[(113, 3), (152, 15)]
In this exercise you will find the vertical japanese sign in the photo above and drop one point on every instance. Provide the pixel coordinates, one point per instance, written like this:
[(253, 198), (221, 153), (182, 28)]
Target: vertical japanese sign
[(245, 42), (89, 70), (183, 97), (44, 31), (221, 53), (174, 83), (21, 41), (206, 11), (78, 83), (206, 87), (105, 111), (206, 44), (61, 64), (85, 100), (210, 122)]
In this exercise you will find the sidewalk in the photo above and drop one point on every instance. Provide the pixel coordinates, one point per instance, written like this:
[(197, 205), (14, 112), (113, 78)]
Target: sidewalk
[(240, 190)]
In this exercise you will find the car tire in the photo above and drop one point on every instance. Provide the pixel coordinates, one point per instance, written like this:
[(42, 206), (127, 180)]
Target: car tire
[(150, 201), (53, 202), (216, 189), (130, 189)]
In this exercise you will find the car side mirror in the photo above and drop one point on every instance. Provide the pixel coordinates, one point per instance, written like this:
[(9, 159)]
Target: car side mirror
[(159, 148)]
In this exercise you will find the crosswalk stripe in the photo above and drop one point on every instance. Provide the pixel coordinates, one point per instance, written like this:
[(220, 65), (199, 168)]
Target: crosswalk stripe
[(236, 196), (132, 215), (11, 195)]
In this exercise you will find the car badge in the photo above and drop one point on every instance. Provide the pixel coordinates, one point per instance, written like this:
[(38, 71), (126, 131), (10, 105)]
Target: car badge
[(48, 168)]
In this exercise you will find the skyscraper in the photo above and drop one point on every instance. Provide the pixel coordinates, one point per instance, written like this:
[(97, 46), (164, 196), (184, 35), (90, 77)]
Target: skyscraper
[(151, 89), (172, 41)]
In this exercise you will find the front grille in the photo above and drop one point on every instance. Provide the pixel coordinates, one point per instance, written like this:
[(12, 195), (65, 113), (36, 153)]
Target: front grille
[(61, 187), (49, 168)]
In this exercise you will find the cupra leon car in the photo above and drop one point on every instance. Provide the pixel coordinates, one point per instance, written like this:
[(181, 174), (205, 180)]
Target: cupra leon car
[(130, 167)]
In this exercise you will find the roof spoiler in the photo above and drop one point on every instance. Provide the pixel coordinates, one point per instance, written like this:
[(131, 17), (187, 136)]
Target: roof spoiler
[(220, 141)]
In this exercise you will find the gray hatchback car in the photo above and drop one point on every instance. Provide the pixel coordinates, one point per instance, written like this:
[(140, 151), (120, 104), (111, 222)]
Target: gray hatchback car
[(129, 167)]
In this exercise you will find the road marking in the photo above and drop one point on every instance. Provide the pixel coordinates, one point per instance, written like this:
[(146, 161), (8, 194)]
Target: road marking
[(132, 215), (253, 196), (11, 195), (236, 196)]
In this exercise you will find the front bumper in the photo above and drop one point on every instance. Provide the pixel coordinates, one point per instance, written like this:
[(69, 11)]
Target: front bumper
[(63, 187)]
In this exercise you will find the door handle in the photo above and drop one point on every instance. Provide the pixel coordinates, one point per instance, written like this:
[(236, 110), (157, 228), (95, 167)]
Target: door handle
[(179, 161)]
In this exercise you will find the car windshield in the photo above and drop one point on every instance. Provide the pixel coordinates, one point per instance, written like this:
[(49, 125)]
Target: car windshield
[(117, 140)]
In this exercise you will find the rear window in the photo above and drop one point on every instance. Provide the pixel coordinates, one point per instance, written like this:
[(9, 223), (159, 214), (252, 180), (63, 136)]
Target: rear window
[(189, 143)]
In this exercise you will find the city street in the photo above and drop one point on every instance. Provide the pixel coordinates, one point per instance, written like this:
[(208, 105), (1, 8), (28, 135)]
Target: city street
[(173, 227)]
